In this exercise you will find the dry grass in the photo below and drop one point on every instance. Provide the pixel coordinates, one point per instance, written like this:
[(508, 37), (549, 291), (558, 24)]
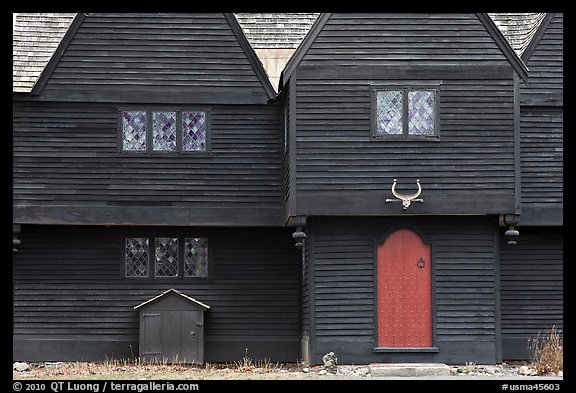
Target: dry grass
[(546, 352), (260, 366), (135, 368)]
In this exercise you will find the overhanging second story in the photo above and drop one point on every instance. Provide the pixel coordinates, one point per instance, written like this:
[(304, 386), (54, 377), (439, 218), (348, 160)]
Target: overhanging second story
[(381, 101)]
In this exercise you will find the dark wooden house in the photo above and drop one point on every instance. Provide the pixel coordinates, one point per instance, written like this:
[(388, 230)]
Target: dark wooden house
[(362, 209)]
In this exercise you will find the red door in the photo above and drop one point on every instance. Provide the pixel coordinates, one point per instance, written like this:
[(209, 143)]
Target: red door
[(404, 291)]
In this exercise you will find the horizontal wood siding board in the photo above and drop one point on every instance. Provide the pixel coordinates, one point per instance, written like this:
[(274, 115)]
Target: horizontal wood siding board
[(167, 53), (68, 283), (463, 262), (66, 154), (101, 94), (542, 157), (368, 202), (532, 287)]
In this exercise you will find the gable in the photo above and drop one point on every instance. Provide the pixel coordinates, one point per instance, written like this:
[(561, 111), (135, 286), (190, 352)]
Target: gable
[(170, 58), (354, 39)]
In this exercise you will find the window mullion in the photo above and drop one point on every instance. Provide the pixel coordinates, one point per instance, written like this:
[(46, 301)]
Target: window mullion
[(405, 113), (181, 256), (149, 132), (179, 131), (152, 257)]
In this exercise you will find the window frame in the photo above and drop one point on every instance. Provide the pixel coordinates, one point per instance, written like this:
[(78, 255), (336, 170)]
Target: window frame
[(152, 277), (149, 110), (375, 136)]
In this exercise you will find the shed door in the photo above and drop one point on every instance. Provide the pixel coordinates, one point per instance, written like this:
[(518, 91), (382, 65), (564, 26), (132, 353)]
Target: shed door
[(180, 336), (151, 331), (172, 335), (404, 291)]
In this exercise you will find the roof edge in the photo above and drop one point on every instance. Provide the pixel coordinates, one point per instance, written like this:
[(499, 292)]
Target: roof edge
[(251, 54), (205, 307), (299, 53), (537, 36), (57, 55), (504, 45)]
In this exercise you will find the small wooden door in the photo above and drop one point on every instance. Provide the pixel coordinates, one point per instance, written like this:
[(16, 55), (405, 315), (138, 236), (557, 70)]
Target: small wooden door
[(404, 277), (172, 336)]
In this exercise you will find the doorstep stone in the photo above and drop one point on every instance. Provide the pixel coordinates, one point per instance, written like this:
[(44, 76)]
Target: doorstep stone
[(408, 369)]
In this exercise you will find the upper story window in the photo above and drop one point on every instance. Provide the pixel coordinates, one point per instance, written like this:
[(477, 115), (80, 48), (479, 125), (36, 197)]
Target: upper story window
[(164, 131), (405, 113), (166, 257)]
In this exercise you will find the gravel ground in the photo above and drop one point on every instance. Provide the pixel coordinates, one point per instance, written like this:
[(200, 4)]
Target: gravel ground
[(116, 371)]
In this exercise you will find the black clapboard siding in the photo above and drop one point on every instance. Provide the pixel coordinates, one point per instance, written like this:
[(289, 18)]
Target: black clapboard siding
[(69, 285), (286, 163), (160, 56), (66, 154), (542, 155), (343, 286), (532, 288), (541, 122), (339, 167), (545, 83)]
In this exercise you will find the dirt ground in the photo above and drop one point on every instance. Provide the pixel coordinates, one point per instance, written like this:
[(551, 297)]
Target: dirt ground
[(235, 371), (105, 371)]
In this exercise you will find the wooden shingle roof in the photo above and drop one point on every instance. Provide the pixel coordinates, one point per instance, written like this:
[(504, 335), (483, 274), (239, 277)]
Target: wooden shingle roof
[(518, 28), (35, 37), (276, 30), (275, 37)]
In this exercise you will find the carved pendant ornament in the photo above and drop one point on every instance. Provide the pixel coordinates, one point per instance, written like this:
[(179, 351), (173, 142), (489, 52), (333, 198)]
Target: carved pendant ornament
[(406, 199)]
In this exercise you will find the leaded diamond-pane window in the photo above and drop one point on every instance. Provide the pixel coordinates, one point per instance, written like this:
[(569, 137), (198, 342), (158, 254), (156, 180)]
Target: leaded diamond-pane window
[(136, 257), (389, 112), (405, 113), (166, 253), (195, 257), (193, 131), (421, 118), (177, 258), (164, 131), (134, 131), (172, 130)]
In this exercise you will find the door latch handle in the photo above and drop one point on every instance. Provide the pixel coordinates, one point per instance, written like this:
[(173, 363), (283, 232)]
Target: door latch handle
[(421, 263), (192, 334)]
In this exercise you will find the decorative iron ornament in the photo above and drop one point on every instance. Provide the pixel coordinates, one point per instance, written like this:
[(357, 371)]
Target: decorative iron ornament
[(406, 199), (421, 263)]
